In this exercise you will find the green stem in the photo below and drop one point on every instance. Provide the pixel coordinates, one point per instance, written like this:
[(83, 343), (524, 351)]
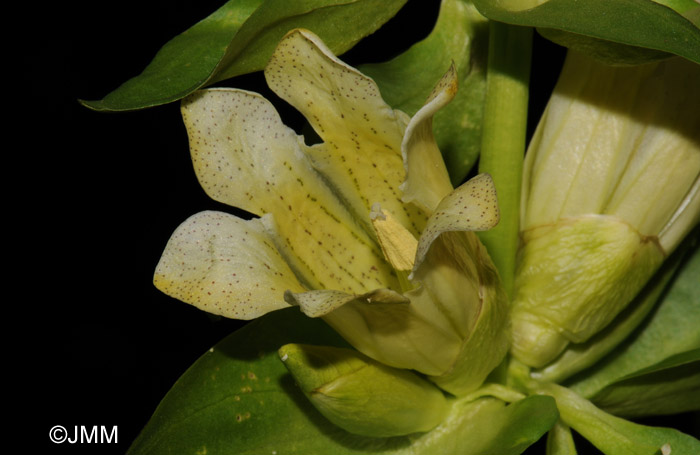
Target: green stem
[(503, 137), (611, 434)]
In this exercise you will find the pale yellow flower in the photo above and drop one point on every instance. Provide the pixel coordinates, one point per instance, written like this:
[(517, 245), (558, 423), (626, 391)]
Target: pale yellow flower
[(363, 229)]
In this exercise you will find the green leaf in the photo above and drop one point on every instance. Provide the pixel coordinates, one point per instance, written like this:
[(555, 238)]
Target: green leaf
[(238, 39), (239, 398), (460, 36), (671, 329), (622, 31), (669, 387), (614, 435), (240, 395)]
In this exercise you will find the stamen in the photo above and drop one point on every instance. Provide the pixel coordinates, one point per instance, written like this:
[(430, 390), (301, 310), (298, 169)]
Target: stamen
[(397, 243)]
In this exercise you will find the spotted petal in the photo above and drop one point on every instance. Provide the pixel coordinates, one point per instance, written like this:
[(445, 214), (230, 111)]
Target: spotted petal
[(245, 157), (320, 302), (225, 265), (427, 180), (361, 150), (473, 206)]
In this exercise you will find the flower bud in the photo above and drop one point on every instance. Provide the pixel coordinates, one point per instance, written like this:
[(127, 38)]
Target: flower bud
[(363, 396), (610, 188)]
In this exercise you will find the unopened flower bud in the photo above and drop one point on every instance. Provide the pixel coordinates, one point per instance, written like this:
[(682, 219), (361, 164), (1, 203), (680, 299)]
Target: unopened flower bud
[(361, 395), (611, 186)]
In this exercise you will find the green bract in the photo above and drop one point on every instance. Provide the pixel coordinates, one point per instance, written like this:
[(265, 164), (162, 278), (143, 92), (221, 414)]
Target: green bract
[(363, 396)]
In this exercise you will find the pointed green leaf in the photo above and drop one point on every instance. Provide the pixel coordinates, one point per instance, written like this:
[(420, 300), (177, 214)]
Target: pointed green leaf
[(626, 31), (670, 387), (239, 398), (460, 36), (238, 39)]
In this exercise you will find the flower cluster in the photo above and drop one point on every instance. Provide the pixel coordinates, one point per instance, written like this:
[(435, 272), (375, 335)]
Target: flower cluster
[(365, 230)]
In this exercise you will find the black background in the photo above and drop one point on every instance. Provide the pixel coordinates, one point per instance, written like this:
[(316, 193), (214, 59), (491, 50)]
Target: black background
[(99, 196)]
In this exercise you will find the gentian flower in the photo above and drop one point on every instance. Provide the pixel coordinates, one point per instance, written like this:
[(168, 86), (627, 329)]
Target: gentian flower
[(362, 229), (611, 187)]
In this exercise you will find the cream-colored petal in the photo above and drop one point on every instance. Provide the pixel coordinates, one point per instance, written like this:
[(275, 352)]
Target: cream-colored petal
[(473, 206), (385, 326), (578, 136), (396, 335), (686, 217), (462, 287), (427, 180), (449, 273), (244, 156), (321, 302), (458, 285), (362, 135), (225, 265), (487, 343)]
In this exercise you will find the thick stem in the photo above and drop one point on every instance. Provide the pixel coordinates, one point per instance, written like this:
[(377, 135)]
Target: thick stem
[(503, 137)]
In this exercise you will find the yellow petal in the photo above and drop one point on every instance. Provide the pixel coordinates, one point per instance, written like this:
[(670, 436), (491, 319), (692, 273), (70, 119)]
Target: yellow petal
[(459, 286), (471, 207), (427, 180), (245, 157), (362, 135), (320, 302), (225, 265), (449, 273), (450, 260), (383, 325)]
